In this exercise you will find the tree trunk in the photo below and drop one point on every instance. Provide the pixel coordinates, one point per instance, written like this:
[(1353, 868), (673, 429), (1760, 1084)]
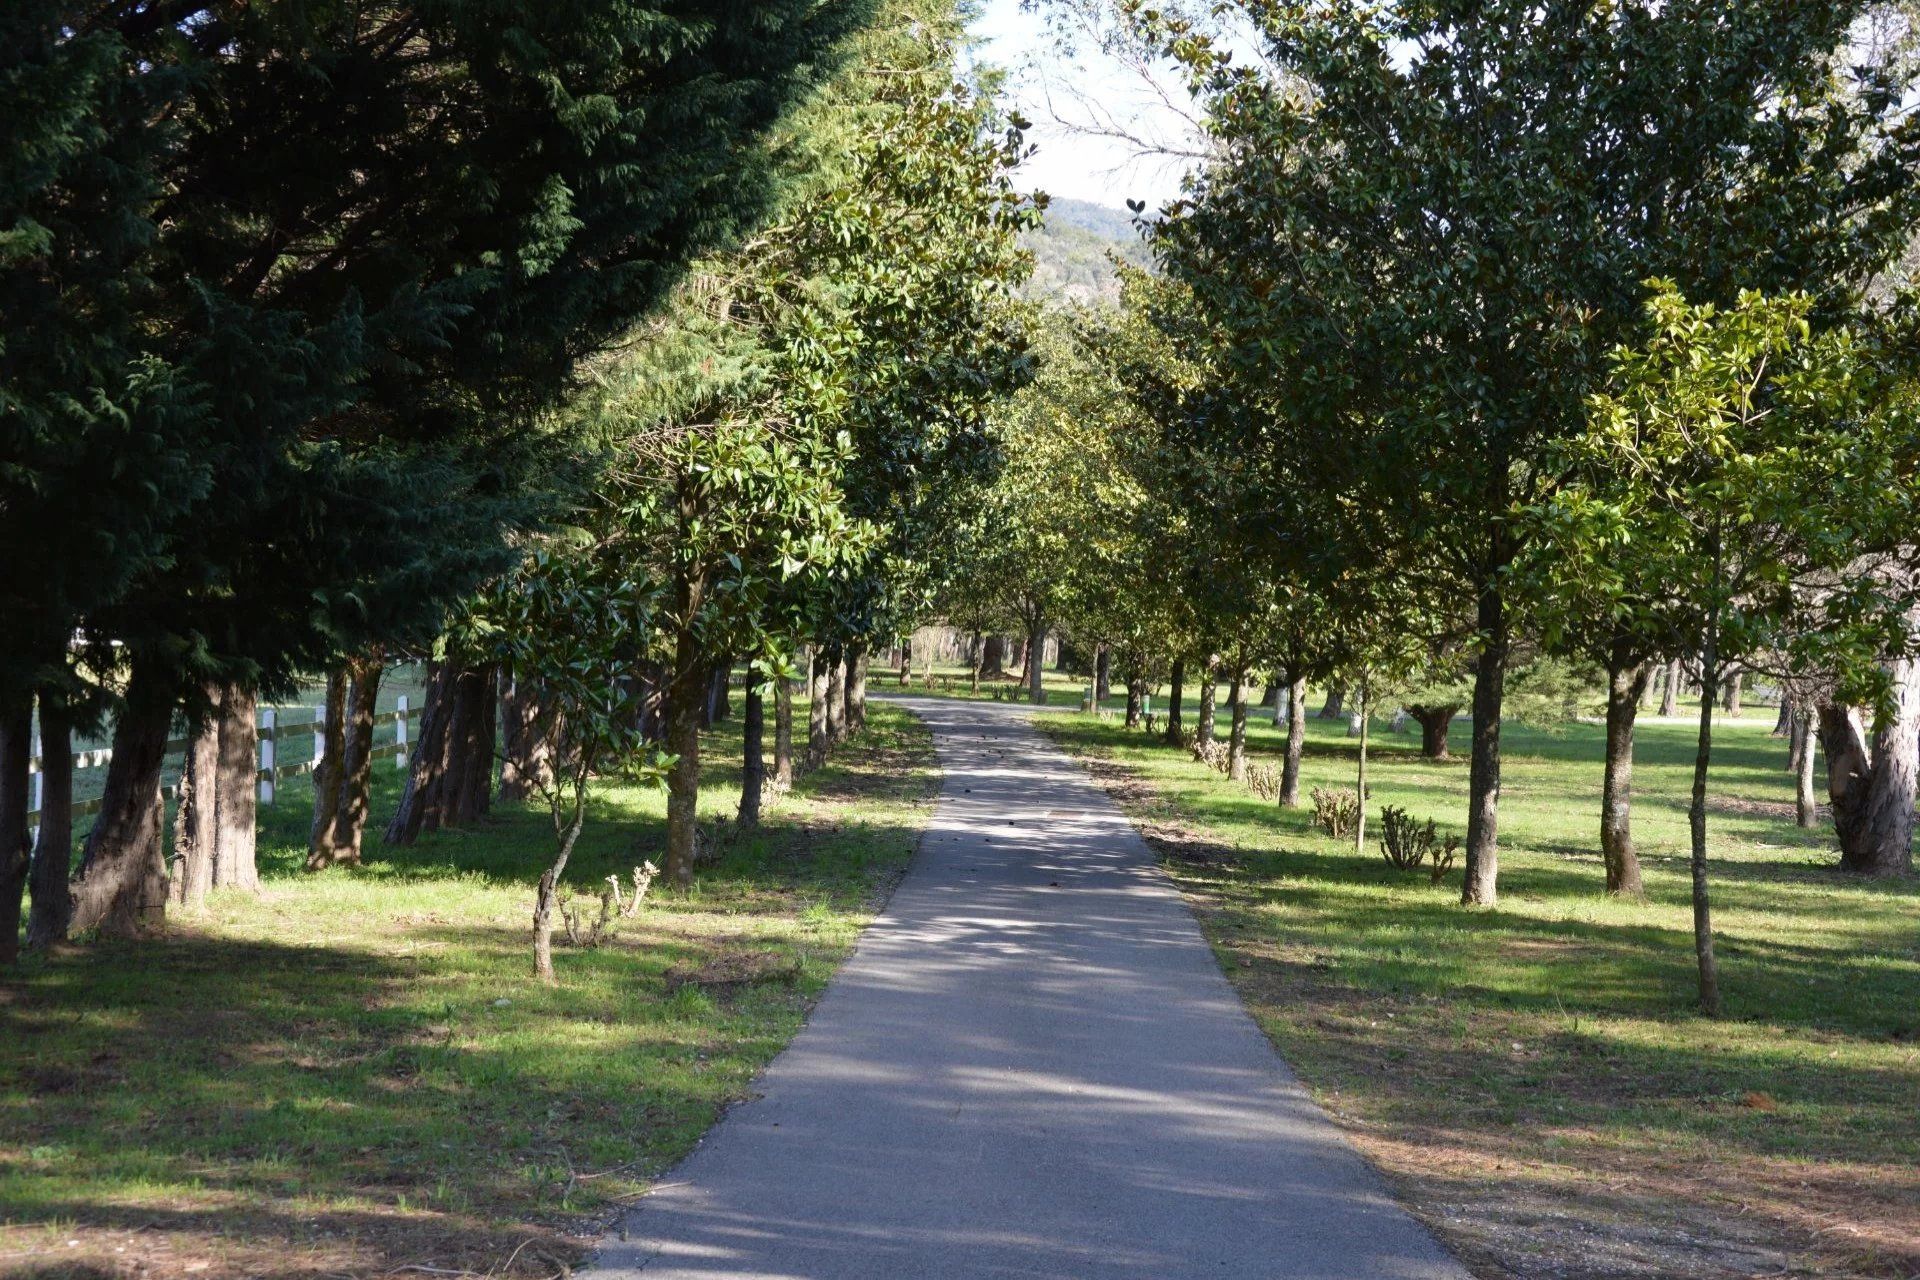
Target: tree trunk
[(548, 891), (906, 662), (1296, 744), (976, 655), (327, 773), (1174, 693), (993, 664), (1436, 724), (1871, 778), (1733, 694), (753, 771), (196, 819), (53, 849), (1019, 662), (1102, 673), (1626, 682), (234, 847), (1360, 778), (450, 783), (686, 698), (1670, 691), (1806, 808), (112, 892), (1237, 734), (528, 728), (837, 696), (16, 859), (1036, 664), (719, 701), (782, 736), (819, 688), (1209, 693), (1335, 705), (1355, 723), (1133, 704), (1482, 877), (1783, 722), (857, 689), (356, 760), (1697, 823)]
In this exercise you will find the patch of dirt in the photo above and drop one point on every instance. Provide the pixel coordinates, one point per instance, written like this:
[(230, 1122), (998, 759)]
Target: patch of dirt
[(731, 970), (1521, 1195)]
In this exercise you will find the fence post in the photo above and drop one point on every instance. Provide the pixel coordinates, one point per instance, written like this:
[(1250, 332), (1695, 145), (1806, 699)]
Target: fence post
[(269, 719), (400, 733)]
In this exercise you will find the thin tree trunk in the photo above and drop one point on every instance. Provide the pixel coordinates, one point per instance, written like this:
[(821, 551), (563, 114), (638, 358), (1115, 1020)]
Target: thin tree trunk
[(53, 849), (1626, 682), (327, 774), (1806, 808), (1102, 672), (782, 736), (1237, 734), (1783, 722), (1036, 664), (1871, 778), (16, 859), (356, 760), (1482, 877), (1174, 694), (196, 819), (1133, 703), (1436, 727), (857, 689), (1733, 694), (837, 696), (549, 889), (819, 691), (1697, 820), (1209, 692), (234, 848), (1296, 744), (753, 771), (1670, 691), (977, 656), (686, 695), (111, 891), (1360, 780)]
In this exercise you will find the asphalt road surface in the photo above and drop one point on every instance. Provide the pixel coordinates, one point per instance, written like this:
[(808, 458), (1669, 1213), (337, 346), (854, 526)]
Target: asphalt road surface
[(1031, 1067)]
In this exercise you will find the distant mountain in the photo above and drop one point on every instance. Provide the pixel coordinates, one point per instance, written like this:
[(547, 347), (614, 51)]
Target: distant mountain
[(1070, 262)]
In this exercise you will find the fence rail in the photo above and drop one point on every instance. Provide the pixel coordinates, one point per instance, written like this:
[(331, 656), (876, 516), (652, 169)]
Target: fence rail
[(269, 772)]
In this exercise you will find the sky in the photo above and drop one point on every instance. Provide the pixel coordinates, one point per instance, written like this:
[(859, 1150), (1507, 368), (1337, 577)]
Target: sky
[(1064, 94)]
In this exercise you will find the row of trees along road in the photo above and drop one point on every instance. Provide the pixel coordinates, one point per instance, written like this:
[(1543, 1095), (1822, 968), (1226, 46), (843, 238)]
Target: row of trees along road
[(579, 348), (1497, 341)]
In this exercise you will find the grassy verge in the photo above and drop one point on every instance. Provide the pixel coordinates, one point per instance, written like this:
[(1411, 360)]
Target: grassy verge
[(353, 1074), (1531, 1077)]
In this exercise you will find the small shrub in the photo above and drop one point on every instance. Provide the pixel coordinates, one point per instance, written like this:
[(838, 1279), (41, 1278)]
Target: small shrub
[(1443, 858), (1212, 754), (1336, 811), (1265, 781), (1403, 841)]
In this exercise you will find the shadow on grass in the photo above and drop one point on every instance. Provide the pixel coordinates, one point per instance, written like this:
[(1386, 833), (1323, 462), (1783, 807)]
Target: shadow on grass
[(357, 1065)]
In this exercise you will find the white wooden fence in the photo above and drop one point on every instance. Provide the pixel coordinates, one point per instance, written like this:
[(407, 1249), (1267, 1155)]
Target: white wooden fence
[(272, 733)]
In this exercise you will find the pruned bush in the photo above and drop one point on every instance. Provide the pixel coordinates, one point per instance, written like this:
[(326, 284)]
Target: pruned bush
[(1409, 844), (1212, 754), (1403, 841), (1336, 811), (1265, 781)]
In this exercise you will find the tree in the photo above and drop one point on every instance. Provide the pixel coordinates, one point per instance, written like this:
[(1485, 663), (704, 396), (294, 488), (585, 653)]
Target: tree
[(1423, 237), (1735, 451)]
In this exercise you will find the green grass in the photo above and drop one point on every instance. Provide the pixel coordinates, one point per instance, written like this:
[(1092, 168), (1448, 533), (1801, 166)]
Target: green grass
[(354, 1072), (1532, 1076)]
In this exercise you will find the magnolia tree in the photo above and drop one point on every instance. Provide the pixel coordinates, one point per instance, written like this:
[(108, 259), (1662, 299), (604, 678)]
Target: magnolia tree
[(1738, 456)]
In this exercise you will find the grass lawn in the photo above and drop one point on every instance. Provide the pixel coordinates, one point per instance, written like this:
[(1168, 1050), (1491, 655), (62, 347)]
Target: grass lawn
[(354, 1074), (1532, 1077)]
